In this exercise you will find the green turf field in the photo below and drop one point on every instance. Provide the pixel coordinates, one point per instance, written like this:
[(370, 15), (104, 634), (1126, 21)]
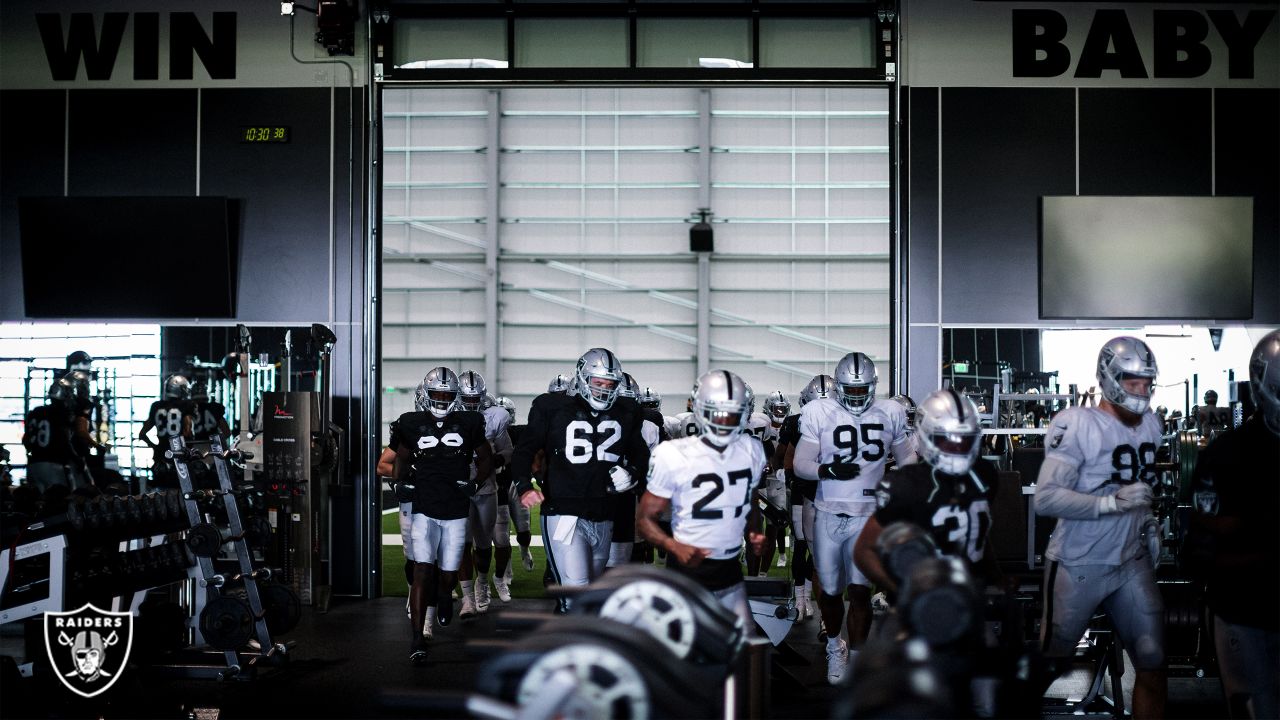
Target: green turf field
[(524, 583)]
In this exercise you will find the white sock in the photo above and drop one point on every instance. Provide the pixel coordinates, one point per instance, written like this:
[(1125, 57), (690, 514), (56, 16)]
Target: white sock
[(808, 586), (467, 592)]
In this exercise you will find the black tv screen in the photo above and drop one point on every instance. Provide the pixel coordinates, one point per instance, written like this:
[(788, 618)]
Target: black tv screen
[(129, 257), (1146, 257)]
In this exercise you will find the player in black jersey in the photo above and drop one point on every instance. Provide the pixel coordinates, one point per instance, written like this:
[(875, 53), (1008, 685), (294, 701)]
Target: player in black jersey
[(171, 416), (594, 450), (51, 455), (209, 418), (435, 451), (949, 494)]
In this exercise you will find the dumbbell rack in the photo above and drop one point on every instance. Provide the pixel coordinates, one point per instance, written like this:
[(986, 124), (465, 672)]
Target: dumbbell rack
[(236, 663)]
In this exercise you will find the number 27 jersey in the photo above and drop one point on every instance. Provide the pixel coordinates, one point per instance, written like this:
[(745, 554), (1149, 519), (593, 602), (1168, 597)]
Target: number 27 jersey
[(710, 491), (865, 439)]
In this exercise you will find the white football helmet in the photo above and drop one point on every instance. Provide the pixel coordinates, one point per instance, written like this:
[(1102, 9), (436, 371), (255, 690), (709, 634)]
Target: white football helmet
[(1123, 358), (949, 435), (721, 406), (599, 376), (471, 390), (560, 384), (1264, 379), (777, 407), (177, 387), (856, 382), (438, 392), (506, 404), (819, 387)]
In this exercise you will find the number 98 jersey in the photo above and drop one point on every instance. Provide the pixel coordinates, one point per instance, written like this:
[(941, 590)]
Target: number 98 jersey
[(710, 491), (865, 439)]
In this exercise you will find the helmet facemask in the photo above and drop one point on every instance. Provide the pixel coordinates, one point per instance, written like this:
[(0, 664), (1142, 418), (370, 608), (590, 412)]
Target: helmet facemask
[(438, 392), (855, 378), (721, 407), (949, 433), (856, 398), (599, 377), (471, 391)]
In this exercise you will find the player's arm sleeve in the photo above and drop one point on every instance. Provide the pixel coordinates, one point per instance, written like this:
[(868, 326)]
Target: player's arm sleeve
[(805, 459), (637, 457), (531, 441), (650, 432), (1056, 495), (502, 449)]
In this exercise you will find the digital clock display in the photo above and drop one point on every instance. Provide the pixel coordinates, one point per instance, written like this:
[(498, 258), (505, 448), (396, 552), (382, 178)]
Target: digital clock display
[(264, 134)]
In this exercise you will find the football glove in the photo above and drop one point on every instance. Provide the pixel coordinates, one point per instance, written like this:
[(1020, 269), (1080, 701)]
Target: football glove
[(620, 480), (404, 492), (1133, 496), (467, 487), (839, 471)]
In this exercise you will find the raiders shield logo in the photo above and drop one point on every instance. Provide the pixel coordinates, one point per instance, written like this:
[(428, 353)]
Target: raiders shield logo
[(88, 647)]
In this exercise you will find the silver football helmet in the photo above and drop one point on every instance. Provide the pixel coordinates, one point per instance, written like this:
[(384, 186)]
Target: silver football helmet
[(62, 392), (599, 376), (650, 399), (506, 404), (177, 387), (471, 390), (856, 382), (776, 406), (1124, 358), (1264, 379), (629, 387), (819, 387), (910, 406), (721, 406), (560, 384), (438, 392), (949, 434)]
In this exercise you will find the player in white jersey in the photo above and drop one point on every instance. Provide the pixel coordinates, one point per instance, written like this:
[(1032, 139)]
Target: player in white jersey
[(682, 424), (845, 443), (708, 482), (484, 504), (1097, 480)]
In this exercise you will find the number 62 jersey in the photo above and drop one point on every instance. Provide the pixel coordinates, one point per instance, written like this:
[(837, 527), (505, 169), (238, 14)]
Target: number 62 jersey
[(710, 491)]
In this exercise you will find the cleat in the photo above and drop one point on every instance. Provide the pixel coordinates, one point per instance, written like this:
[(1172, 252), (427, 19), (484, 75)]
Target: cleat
[(837, 660), (504, 592), (468, 610), (782, 560), (444, 614), (526, 557), (482, 596)]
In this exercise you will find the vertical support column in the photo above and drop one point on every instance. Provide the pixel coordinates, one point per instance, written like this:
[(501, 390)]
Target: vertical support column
[(492, 221), (704, 258)]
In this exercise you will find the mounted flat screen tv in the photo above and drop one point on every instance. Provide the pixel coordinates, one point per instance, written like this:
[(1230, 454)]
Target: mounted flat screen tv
[(129, 257), (1146, 257)]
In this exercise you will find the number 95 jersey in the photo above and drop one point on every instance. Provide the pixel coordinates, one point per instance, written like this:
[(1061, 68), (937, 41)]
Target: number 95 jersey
[(710, 491), (865, 439)]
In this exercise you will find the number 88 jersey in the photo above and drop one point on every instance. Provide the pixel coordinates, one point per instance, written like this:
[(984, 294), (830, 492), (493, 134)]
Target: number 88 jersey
[(865, 439), (710, 491)]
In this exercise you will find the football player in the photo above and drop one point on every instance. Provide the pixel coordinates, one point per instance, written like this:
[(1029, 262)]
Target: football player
[(172, 415), (802, 494), (1097, 480), (484, 504), (682, 424), (1234, 541), (708, 482), (622, 548), (594, 450), (508, 508), (51, 456), (845, 442), (776, 410), (210, 417), (435, 453), (949, 494)]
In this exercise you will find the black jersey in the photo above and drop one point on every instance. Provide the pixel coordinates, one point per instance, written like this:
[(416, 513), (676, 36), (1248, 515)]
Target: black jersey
[(955, 509), (441, 451), (167, 416), (207, 419), (580, 445), (47, 437), (801, 489), (1234, 541), (503, 475), (789, 433)]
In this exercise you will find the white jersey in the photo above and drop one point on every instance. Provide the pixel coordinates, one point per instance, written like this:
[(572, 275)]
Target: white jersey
[(710, 491), (681, 425), (1090, 452), (649, 431), (758, 425), (496, 422), (866, 439)]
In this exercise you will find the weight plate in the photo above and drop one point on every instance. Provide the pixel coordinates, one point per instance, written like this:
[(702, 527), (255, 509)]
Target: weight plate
[(608, 685), (658, 609)]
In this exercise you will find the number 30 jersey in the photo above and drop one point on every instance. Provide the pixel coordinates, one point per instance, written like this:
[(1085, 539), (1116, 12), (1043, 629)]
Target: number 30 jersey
[(1090, 452), (710, 491), (580, 446), (954, 509), (865, 439)]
